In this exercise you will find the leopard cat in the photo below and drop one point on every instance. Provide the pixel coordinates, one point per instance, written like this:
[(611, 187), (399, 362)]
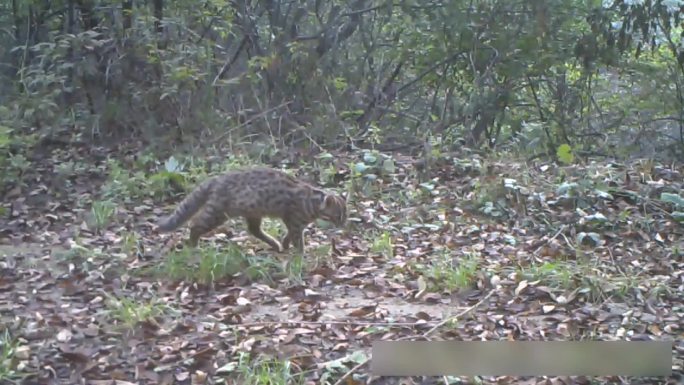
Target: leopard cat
[(255, 193)]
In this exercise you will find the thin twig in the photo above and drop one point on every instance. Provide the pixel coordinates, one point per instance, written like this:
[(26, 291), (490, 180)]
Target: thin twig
[(459, 315), (229, 62), (424, 335), (321, 323), (250, 120), (312, 140), (550, 239), (179, 361)]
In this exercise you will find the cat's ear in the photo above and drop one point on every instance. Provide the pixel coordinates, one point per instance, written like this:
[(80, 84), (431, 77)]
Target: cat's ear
[(345, 196), (328, 201)]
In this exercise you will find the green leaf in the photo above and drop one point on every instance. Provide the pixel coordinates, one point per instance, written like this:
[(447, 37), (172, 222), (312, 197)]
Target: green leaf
[(678, 216), (589, 239), (5, 136), (510, 240), (564, 154), (369, 158), (227, 368), (325, 156), (672, 198), (360, 167), (510, 183), (566, 188), (172, 165), (388, 166), (598, 217), (340, 84), (603, 195)]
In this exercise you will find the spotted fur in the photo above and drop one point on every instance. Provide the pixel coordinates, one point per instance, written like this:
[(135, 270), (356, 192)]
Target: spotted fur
[(253, 194)]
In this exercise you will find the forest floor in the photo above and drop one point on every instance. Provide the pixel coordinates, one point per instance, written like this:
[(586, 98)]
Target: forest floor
[(478, 250)]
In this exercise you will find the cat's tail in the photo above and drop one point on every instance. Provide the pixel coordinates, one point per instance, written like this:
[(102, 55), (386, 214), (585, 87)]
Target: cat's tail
[(187, 208)]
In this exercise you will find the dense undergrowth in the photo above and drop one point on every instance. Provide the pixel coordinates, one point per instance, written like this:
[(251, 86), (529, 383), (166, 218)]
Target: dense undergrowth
[(576, 252)]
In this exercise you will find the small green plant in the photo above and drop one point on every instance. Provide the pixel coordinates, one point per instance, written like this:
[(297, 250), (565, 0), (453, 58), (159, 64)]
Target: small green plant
[(69, 168), (625, 284), (13, 165), (325, 163), (215, 265), (597, 289), (236, 161), (564, 154), (382, 245), (263, 268), (102, 213), (8, 349), (129, 243), (555, 274), (19, 164), (677, 202), (569, 275), (122, 184), (273, 228), (336, 368), (168, 180), (208, 264), (449, 273), (491, 197), (264, 371), (176, 265), (321, 251), (295, 268), (163, 184), (145, 160), (427, 191), (365, 175), (79, 254), (129, 313)]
